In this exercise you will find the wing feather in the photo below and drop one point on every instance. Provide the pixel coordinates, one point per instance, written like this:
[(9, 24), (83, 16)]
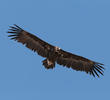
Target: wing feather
[(79, 63), (30, 41)]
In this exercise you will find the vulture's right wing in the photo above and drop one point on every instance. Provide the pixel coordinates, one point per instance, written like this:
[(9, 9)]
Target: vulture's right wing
[(30, 41)]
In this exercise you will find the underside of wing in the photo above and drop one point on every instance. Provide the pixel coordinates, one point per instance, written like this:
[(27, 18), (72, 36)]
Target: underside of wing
[(29, 40), (80, 63)]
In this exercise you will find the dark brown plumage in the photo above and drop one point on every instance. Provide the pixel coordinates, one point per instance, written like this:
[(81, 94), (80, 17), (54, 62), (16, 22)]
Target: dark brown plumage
[(54, 54)]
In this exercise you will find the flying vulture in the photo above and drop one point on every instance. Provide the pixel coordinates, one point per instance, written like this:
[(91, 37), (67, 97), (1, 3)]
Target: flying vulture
[(54, 54)]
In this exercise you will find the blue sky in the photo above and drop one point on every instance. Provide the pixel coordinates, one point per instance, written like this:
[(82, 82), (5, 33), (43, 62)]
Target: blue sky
[(78, 26)]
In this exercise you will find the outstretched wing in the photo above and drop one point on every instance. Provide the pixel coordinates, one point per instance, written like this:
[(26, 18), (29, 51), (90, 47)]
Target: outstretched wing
[(79, 63), (30, 41)]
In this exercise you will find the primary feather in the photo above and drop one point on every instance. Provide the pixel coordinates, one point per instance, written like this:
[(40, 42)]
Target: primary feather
[(54, 54)]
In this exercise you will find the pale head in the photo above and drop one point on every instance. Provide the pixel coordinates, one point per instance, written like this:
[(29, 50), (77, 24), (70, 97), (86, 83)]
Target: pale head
[(57, 48)]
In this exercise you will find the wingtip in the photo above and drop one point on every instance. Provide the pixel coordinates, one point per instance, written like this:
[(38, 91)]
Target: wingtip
[(17, 26), (98, 68)]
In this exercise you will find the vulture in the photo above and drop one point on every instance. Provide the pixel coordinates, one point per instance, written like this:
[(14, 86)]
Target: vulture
[(54, 54)]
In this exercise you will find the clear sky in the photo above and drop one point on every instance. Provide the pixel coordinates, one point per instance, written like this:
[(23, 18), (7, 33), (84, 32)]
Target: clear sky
[(78, 26)]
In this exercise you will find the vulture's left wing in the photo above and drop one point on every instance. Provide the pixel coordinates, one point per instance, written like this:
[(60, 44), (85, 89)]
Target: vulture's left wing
[(30, 41), (79, 63)]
